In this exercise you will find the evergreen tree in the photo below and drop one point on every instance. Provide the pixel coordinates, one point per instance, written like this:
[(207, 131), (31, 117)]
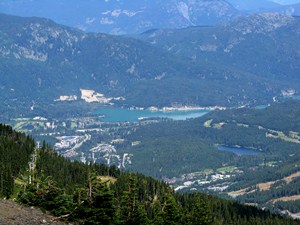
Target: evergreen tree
[(171, 211), (200, 213), (97, 205)]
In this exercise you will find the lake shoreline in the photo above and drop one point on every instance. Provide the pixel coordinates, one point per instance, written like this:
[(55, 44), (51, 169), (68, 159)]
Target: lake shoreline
[(179, 108), (239, 150), (112, 114)]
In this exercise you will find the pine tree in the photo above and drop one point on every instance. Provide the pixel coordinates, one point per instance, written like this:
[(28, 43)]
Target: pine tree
[(96, 204), (200, 213), (171, 211)]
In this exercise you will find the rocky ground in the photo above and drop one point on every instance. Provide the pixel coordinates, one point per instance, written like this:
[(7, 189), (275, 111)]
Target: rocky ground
[(12, 213)]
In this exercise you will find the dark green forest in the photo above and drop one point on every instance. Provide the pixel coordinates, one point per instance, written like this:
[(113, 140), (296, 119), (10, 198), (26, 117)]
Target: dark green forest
[(97, 194), (15, 151)]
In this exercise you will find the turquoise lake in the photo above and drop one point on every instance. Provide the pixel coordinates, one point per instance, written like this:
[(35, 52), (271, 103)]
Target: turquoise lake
[(126, 115), (239, 151), (296, 97)]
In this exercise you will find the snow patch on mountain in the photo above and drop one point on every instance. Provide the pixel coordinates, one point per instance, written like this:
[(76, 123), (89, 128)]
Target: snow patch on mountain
[(106, 21), (184, 10), (90, 20)]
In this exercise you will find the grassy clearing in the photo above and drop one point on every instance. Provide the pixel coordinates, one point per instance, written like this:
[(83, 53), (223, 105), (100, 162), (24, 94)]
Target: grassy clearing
[(242, 125), (21, 119), (234, 194), (271, 164), (227, 169), (135, 143), (108, 179), (207, 123), (218, 125), (73, 125), (292, 137), (36, 125), (204, 172), (19, 125)]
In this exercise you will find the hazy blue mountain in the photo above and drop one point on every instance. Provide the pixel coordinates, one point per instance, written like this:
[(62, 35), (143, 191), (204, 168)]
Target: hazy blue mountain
[(254, 6), (293, 10), (258, 6), (126, 16), (41, 61), (137, 16), (286, 2), (264, 44)]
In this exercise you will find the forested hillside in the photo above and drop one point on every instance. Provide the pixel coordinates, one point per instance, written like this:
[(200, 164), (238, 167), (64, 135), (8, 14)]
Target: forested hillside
[(96, 194), (46, 60), (15, 151)]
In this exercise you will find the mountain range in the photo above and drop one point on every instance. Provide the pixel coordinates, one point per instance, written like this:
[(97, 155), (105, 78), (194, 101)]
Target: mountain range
[(257, 6), (131, 17), (254, 5), (120, 17)]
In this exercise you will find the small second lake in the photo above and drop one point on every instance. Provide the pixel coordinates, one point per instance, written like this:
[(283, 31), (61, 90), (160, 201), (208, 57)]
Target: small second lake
[(239, 151), (127, 115)]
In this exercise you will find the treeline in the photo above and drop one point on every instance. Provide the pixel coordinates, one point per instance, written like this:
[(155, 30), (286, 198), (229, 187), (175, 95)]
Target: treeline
[(15, 151)]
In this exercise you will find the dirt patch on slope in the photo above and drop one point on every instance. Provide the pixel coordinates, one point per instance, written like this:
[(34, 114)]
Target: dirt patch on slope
[(290, 178), (265, 186), (287, 198), (12, 213)]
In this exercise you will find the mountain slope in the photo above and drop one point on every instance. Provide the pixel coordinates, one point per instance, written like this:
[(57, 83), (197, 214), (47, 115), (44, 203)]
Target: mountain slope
[(119, 17), (56, 61), (264, 44)]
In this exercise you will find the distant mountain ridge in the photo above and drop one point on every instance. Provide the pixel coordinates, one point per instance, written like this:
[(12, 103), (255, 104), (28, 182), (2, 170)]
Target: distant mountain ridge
[(126, 17), (137, 16), (255, 6)]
